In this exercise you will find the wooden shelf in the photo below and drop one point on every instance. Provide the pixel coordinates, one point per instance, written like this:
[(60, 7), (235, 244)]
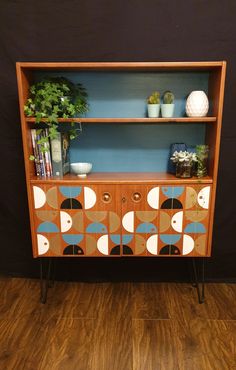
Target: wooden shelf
[(123, 178), (133, 120)]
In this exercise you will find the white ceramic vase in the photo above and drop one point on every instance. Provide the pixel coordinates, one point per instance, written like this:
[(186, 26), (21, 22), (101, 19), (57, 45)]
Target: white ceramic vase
[(167, 110), (153, 110), (197, 104)]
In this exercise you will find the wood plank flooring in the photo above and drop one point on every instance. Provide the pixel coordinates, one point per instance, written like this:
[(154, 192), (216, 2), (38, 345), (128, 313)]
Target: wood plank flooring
[(116, 326)]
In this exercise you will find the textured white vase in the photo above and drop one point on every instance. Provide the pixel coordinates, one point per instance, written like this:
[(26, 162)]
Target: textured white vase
[(197, 104)]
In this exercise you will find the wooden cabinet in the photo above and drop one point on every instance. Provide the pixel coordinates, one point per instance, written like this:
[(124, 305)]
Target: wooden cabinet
[(129, 205)]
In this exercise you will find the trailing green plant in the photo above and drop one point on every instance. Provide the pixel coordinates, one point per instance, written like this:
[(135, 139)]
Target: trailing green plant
[(168, 97), (154, 98), (53, 98)]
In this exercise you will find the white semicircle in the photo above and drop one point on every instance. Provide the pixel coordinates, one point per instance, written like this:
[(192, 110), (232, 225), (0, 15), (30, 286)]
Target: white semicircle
[(89, 197), (203, 197), (66, 221), (177, 221), (39, 197), (188, 244), (152, 244), (43, 244), (102, 244), (128, 221), (153, 197)]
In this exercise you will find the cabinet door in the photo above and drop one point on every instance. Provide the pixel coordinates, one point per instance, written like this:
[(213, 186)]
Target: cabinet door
[(77, 220), (183, 220), (165, 220), (140, 212), (46, 220)]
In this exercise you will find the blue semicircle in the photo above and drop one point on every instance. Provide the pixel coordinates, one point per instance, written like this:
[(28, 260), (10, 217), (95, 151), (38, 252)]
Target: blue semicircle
[(96, 227), (146, 227), (47, 227), (72, 238), (70, 191), (170, 238), (126, 239), (195, 227), (115, 238), (172, 191)]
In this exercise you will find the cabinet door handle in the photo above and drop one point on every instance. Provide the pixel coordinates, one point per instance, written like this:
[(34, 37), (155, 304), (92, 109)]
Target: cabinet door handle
[(136, 197), (123, 200), (106, 197)]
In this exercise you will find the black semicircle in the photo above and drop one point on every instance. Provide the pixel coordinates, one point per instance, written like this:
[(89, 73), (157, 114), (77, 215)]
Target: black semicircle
[(171, 203), (170, 250), (126, 249), (71, 203), (115, 251), (73, 250)]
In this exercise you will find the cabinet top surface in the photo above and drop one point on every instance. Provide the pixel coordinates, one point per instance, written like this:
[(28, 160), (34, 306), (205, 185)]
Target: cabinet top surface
[(122, 65), (125, 178)]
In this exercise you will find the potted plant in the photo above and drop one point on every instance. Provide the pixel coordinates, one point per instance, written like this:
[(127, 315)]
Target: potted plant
[(184, 163), (53, 98), (154, 104), (202, 152), (167, 108)]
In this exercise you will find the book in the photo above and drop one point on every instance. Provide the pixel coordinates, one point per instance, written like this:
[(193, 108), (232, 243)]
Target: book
[(60, 154), (36, 154)]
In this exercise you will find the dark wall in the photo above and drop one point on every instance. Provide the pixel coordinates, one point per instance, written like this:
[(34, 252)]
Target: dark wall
[(105, 30)]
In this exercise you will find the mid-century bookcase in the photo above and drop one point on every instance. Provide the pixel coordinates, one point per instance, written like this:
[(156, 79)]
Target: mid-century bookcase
[(129, 205)]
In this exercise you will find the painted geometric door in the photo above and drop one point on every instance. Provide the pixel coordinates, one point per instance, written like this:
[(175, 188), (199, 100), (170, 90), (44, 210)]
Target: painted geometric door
[(114, 220), (165, 220), (76, 220)]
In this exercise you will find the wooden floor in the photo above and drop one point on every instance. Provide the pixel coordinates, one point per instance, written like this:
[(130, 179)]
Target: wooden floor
[(116, 326)]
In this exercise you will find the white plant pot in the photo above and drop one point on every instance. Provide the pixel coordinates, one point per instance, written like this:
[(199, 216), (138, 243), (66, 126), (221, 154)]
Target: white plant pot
[(197, 104), (153, 110), (167, 110)]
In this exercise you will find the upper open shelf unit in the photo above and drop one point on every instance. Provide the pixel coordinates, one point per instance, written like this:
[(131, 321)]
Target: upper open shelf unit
[(117, 91)]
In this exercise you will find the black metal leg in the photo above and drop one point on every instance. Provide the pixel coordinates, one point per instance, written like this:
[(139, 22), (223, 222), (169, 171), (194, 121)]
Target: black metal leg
[(45, 276), (200, 285)]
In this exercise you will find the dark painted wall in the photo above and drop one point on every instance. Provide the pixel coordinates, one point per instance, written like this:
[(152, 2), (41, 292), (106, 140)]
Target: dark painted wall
[(71, 30)]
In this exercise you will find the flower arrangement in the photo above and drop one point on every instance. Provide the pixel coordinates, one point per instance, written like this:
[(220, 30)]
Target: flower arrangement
[(184, 156), (184, 163)]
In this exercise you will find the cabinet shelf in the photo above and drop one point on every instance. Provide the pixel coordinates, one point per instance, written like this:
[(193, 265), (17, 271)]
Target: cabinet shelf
[(133, 120), (124, 178)]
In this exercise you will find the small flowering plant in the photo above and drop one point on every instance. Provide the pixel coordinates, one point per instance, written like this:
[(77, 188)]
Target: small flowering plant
[(186, 157), (184, 163)]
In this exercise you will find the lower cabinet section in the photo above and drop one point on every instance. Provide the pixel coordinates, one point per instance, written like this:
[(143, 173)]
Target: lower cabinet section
[(121, 220)]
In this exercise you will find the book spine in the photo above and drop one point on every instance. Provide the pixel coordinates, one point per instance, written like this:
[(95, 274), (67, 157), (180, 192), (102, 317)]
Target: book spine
[(41, 157), (46, 157), (35, 151), (49, 151)]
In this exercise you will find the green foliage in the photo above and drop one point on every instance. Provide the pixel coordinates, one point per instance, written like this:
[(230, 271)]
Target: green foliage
[(168, 97), (53, 98), (154, 98)]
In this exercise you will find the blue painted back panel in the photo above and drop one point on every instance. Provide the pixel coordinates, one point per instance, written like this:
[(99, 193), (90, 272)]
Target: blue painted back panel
[(132, 147), (124, 94)]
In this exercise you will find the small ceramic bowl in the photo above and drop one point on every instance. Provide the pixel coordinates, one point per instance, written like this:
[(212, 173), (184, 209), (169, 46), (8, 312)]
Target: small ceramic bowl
[(80, 168)]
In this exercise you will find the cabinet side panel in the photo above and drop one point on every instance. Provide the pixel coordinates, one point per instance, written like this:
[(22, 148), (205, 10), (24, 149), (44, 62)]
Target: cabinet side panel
[(23, 82), (213, 135)]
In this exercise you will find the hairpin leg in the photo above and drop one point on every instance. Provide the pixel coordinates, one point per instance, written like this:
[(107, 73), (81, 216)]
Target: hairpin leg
[(199, 284), (46, 268)]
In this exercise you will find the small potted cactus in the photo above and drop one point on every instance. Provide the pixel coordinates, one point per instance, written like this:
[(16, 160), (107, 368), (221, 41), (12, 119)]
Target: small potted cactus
[(167, 108), (154, 104)]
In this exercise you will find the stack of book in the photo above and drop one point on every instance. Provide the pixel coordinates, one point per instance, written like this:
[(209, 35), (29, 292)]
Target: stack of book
[(51, 156)]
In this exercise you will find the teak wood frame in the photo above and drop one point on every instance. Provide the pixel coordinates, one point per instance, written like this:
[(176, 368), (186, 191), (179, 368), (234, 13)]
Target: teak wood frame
[(217, 71)]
